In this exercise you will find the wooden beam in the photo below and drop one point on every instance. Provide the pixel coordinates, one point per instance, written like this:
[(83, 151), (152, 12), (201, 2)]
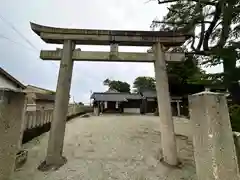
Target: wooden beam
[(79, 55)]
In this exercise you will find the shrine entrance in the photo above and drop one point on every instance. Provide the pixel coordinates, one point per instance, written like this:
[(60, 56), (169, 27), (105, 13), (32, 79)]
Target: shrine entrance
[(158, 40)]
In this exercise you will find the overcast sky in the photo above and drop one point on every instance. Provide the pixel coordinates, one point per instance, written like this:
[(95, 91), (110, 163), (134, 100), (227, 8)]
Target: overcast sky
[(22, 61)]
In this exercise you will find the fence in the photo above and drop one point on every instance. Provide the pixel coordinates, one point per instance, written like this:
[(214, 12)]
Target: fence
[(38, 118), (39, 121)]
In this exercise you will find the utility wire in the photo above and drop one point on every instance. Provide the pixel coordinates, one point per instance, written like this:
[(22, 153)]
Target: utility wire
[(17, 31), (26, 47), (21, 35), (26, 40), (36, 51), (15, 42)]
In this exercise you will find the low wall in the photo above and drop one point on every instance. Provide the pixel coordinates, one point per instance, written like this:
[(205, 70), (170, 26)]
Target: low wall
[(38, 118), (38, 122)]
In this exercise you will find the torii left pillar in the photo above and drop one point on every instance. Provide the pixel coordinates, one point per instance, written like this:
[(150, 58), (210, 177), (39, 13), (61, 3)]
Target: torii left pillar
[(54, 158)]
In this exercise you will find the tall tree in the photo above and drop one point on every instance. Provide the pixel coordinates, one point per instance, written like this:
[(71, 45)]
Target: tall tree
[(217, 31), (142, 83), (117, 85), (186, 72)]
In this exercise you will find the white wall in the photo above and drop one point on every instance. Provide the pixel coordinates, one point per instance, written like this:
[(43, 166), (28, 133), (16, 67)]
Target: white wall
[(5, 83), (131, 110)]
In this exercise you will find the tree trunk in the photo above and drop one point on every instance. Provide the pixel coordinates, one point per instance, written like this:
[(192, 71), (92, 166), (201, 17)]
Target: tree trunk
[(235, 93), (231, 75)]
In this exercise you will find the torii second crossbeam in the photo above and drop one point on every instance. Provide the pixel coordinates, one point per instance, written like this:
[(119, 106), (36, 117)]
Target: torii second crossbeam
[(79, 55)]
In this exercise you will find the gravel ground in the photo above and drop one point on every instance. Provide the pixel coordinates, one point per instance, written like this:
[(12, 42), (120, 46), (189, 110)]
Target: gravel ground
[(112, 148)]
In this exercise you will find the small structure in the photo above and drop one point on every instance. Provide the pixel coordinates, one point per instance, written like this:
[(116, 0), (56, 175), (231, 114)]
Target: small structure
[(121, 102), (117, 102), (152, 104), (150, 98), (39, 98), (39, 108)]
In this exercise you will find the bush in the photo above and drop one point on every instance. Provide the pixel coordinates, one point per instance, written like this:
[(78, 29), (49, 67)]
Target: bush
[(234, 112)]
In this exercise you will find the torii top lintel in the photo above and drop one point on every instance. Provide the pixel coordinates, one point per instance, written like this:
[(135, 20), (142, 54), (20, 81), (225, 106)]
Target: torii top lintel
[(106, 37)]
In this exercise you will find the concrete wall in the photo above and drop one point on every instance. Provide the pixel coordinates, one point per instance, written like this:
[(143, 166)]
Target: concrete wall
[(6, 83), (11, 130)]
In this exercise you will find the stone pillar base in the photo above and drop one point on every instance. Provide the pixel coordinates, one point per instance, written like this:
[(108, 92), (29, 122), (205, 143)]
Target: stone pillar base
[(21, 158), (179, 164), (44, 166)]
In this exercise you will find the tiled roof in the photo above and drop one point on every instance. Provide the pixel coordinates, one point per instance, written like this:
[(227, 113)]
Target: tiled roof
[(108, 97), (47, 90), (114, 96), (133, 96), (153, 94)]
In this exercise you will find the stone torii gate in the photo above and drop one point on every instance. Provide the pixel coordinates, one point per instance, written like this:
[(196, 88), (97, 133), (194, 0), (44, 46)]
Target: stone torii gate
[(71, 37)]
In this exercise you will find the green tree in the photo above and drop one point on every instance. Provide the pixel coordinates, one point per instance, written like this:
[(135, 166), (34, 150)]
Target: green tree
[(217, 30), (144, 83), (106, 82), (80, 103), (186, 72), (117, 85)]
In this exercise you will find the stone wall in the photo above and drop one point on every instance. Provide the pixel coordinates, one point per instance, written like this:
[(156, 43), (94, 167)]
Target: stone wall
[(11, 130)]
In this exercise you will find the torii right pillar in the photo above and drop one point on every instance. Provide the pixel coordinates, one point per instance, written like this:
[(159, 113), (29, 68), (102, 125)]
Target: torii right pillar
[(168, 140)]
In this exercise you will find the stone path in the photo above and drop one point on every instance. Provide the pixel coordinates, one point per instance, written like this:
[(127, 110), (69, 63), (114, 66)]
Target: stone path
[(114, 148)]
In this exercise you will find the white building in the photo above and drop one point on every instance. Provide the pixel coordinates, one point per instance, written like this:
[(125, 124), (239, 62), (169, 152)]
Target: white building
[(8, 82)]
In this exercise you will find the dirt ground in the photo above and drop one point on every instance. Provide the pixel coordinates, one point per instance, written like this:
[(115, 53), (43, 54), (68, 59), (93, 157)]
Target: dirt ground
[(112, 148)]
